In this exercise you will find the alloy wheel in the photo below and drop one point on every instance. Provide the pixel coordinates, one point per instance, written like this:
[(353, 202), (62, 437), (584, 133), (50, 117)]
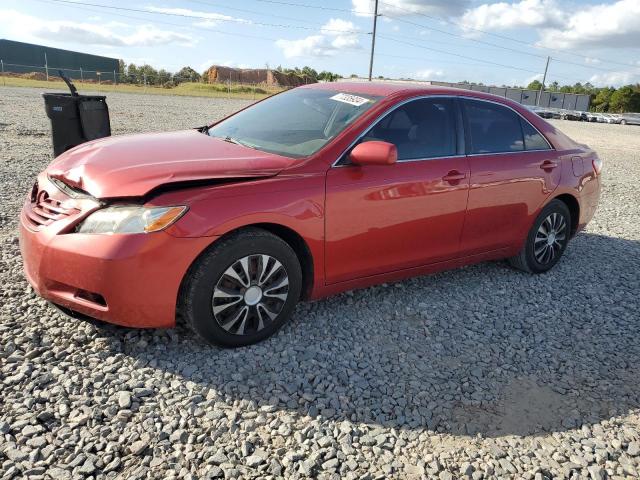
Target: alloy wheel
[(250, 294), (550, 238)]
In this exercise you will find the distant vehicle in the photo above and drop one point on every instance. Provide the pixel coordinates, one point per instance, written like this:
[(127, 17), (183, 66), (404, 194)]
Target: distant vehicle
[(570, 115), (595, 117), (584, 116), (629, 119), (609, 118), (541, 111)]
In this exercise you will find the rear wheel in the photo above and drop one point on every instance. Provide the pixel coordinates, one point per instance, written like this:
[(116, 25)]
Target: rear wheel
[(242, 290), (623, 122), (546, 241)]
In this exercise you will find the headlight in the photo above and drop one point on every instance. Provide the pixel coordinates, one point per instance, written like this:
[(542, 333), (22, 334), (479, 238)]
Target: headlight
[(130, 219)]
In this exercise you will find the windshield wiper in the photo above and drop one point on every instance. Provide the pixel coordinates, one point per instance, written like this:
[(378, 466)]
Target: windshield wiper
[(231, 140), (238, 142)]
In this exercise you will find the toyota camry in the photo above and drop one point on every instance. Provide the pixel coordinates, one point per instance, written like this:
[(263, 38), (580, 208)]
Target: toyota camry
[(314, 191)]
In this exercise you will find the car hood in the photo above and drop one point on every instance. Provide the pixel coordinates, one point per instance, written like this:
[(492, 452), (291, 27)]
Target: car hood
[(133, 165)]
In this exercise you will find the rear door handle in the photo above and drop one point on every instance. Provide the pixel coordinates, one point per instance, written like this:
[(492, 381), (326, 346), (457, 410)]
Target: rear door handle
[(454, 176), (548, 165)]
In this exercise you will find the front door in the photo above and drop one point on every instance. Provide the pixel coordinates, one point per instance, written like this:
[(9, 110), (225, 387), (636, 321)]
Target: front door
[(391, 217)]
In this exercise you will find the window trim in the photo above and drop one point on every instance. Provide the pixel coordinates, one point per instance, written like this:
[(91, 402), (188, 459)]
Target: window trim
[(468, 140), (461, 128)]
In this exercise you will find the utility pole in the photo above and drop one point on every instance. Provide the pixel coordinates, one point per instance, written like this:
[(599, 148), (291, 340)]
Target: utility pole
[(46, 65), (4, 82), (544, 79), (373, 38)]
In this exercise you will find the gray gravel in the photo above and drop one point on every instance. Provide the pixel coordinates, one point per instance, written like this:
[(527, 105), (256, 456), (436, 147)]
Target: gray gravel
[(481, 372)]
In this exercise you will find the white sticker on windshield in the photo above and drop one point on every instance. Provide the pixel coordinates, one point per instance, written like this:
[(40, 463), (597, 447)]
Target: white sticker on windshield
[(350, 99)]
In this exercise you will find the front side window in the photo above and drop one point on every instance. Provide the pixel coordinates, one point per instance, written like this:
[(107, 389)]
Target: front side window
[(493, 128), (296, 123), (420, 129)]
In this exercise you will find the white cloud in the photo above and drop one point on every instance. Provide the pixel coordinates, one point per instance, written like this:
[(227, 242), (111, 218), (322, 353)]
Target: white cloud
[(532, 78), (429, 74), (337, 34), (30, 28), (615, 79), (209, 19), (503, 16), (398, 8), (615, 25)]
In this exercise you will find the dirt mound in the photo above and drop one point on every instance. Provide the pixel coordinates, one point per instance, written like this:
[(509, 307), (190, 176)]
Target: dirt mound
[(255, 76)]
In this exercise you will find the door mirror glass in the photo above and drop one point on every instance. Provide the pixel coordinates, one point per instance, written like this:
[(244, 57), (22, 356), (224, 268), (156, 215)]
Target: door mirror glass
[(374, 153)]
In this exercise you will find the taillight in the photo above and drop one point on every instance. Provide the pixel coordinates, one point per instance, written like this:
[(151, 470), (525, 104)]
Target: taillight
[(597, 165)]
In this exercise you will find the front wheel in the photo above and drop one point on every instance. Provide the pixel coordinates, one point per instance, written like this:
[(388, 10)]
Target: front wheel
[(546, 241), (242, 290), (623, 122)]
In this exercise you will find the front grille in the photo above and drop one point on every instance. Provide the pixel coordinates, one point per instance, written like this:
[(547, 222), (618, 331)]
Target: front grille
[(45, 210)]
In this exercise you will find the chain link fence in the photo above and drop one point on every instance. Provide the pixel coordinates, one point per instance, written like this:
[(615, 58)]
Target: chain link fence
[(146, 82)]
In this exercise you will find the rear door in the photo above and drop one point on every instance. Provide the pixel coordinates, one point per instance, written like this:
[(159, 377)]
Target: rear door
[(513, 171), (382, 218)]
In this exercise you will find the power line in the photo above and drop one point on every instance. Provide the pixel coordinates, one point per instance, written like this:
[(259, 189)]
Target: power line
[(317, 7), (204, 17), (462, 56), (188, 27), (82, 6), (503, 47), (244, 10), (504, 37)]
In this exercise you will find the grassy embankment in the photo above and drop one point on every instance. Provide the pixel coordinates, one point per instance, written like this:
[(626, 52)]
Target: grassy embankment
[(217, 90)]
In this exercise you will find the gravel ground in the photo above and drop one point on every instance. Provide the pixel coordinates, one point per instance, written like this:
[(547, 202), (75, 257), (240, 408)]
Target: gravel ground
[(481, 372)]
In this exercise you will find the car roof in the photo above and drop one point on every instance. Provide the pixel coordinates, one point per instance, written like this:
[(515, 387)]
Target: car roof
[(385, 89), (406, 90)]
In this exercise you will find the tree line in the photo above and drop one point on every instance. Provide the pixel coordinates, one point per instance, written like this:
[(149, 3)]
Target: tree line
[(603, 99), (132, 73)]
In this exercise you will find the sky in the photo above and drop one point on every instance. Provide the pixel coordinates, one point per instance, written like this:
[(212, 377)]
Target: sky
[(500, 43)]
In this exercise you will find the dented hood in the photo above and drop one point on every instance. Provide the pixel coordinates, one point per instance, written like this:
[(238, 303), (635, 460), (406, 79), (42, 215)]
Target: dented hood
[(133, 165)]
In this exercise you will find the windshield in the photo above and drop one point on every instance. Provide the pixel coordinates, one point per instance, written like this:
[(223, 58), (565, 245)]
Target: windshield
[(296, 123)]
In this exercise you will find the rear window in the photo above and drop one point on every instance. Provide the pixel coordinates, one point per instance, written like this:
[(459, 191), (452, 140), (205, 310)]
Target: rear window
[(533, 140)]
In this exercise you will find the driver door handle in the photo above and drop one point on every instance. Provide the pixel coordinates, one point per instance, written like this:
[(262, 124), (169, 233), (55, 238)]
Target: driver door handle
[(548, 165), (454, 176)]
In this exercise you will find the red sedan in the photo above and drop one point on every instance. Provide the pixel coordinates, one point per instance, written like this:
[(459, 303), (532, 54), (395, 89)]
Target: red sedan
[(311, 192)]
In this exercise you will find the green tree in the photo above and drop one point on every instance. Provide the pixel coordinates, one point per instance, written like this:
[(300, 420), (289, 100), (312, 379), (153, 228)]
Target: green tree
[(147, 73), (328, 76), (625, 99), (602, 98), (186, 74), (132, 74), (535, 85), (309, 72)]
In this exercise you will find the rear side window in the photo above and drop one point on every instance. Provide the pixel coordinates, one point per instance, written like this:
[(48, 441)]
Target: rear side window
[(532, 139), (493, 128), (420, 129)]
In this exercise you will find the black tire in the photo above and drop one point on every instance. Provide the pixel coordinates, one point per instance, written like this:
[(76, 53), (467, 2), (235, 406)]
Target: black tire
[(623, 122), (531, 259), (197, 303)]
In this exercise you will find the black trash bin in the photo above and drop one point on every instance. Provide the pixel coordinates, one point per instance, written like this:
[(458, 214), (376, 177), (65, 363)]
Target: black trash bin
[(76, 119)]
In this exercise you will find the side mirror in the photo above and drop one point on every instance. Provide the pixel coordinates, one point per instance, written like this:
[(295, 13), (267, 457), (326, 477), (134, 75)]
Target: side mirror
[(374, 153)]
